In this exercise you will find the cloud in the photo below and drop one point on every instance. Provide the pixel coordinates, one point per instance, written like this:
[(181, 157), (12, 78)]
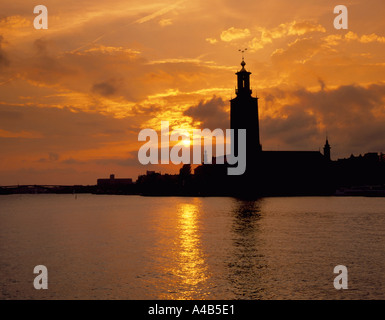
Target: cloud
[(232, 34), (294, 28), (332, 40), (303, 27), (106, 88), (108, 50), (20, 134), (366, 38), (211, 40), (165, 22), (300, 51), (52, 157), (70, 75), (43, 65), (4, 61), (322, 84), (297, 130), (353, 116), (210, 114), (337, 39), (109, 79), (14, 22)]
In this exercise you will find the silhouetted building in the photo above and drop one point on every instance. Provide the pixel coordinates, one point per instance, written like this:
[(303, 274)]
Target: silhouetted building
[(155, 184), (360, 171), (244, 115), (272, 172), (115, 186), (113, 182), (327, 150)]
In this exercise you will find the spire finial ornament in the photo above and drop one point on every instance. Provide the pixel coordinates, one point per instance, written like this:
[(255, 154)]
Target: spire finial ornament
[(243, 51), (243, 63)]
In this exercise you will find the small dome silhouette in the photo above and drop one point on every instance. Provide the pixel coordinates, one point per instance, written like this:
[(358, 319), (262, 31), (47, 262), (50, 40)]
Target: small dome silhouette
[(243, 63)]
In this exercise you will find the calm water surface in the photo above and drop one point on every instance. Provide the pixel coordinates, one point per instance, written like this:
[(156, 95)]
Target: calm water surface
[(130, 247)]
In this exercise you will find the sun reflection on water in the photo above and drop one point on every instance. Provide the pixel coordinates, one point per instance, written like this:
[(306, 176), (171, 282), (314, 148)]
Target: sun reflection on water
[(190, 269)]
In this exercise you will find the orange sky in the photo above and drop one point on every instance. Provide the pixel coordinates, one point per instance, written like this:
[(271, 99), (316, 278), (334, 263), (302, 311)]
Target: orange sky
[(73, 98)]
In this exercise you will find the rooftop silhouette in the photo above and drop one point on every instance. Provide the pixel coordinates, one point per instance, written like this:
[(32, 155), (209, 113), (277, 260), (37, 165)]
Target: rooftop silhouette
[(268, 173)]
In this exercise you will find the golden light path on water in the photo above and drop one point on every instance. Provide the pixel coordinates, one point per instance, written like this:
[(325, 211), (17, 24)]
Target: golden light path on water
[(190, 269)]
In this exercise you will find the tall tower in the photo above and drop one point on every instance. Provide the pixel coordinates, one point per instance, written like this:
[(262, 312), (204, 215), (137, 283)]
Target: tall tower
[(327, 150), (244, 115)]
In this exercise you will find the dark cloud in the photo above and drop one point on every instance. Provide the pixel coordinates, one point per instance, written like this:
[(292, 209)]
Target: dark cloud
[(212, 113), (322, 84), (46, 65), (41, 46), (106, 88), (52, 157), (297, 130), (353, 116), (3, 57), (97, 70), (146, 110)]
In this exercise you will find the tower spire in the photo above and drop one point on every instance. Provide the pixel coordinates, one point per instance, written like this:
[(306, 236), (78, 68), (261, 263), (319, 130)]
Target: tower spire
[(244, 115), (327, 149), (243, 79)]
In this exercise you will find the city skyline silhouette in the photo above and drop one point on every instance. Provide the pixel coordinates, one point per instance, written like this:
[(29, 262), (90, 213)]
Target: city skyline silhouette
[(268, 173)]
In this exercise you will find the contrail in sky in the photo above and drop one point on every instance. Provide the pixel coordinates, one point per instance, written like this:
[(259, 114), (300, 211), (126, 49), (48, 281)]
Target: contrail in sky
[(139, 21), (159, 12)]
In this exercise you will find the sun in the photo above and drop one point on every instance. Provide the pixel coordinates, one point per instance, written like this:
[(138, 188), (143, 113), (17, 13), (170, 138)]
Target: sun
[(186, 142)]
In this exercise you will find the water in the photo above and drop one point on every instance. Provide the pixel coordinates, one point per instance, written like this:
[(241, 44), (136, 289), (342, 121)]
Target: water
[(130, 247)]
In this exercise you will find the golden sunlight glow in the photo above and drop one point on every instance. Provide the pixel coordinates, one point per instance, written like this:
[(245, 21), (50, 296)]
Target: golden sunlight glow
[(191, 267), (186, 142)]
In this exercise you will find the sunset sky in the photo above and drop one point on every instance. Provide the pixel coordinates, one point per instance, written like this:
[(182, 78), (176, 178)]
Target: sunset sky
[(73, 98)]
